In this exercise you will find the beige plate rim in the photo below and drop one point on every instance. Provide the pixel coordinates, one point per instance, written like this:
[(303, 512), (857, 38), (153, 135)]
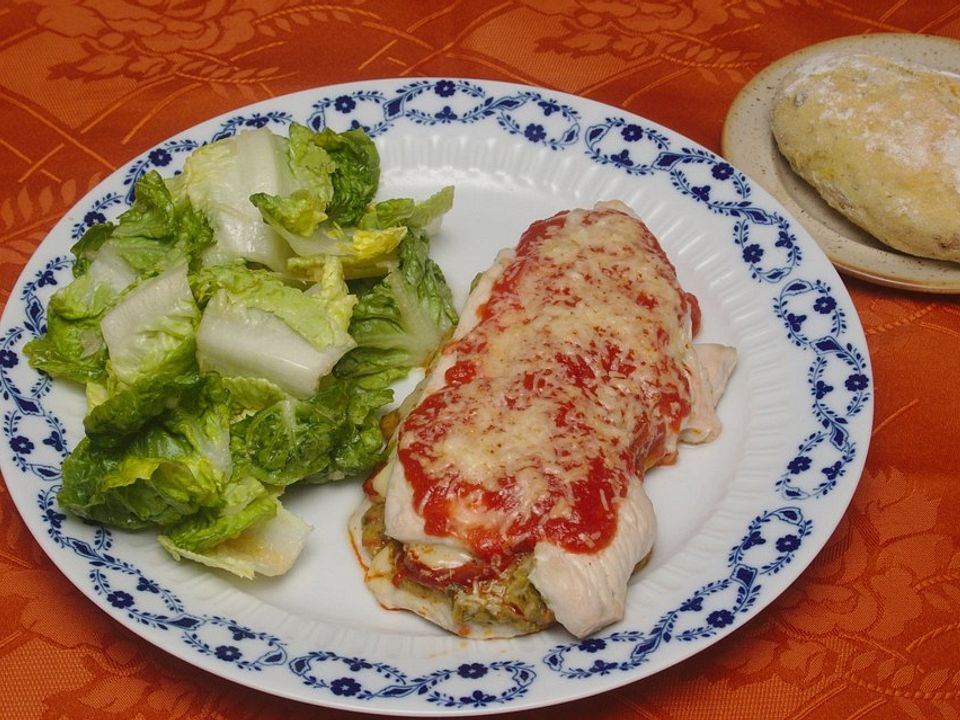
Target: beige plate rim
[(749, 145)]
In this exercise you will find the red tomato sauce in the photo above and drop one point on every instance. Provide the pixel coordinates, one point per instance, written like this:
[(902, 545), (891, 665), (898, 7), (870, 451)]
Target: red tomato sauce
[(603, 410)]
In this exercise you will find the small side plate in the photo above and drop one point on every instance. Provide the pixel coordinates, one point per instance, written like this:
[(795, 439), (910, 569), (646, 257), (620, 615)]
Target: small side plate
[(748, 143)]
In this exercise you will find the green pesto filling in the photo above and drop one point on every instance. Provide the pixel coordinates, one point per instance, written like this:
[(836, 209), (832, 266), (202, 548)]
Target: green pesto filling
[(509, 598)]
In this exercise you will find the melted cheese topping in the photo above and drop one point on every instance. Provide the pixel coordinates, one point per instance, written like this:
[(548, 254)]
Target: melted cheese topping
[(566, 381)]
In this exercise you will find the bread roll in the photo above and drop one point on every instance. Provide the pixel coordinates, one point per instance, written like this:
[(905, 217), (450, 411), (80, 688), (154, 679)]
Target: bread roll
[(880, 141)]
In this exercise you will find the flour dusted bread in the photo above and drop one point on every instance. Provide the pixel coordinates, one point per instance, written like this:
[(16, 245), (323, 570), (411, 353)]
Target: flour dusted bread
[(880, 141)]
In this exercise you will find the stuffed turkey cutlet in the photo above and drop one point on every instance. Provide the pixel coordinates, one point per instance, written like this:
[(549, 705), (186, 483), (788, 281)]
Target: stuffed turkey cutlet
[(512, 497)]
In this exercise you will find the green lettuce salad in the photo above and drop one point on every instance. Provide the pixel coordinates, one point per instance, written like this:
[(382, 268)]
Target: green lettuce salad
[(237, 330)]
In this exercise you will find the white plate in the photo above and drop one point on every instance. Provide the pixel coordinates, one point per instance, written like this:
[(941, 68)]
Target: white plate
[(739, 518), (749, 144)]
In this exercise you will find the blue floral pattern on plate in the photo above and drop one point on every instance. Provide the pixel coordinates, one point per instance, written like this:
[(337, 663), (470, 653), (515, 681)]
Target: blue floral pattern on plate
[(814, 321)]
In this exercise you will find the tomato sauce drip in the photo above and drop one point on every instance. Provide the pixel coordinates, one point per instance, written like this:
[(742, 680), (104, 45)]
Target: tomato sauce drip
[(579, 480), (461, 372), (441, 578)]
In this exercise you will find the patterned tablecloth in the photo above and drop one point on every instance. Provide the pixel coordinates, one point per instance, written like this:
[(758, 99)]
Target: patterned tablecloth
[(870, 630)]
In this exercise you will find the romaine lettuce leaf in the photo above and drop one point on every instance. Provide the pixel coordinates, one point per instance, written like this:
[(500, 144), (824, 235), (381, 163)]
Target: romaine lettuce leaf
[(119, 413), (72, 349), (155, 234), (335, 176), (248, 395), (153, 328), (97, 289), (362, 253), (401, 320), (357, 169), (422, 214), (310, 163), (297, 214), (268, 546), (371, 248), (245, 502), (86, 248), (300, 208), (157, 231), (334, 434), (176, 465), (320, 314), (146, 483), (219, 179), (256, 325)]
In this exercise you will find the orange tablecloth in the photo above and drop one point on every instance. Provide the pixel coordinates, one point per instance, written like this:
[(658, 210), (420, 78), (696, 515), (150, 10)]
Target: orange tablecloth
[(870, 630)]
